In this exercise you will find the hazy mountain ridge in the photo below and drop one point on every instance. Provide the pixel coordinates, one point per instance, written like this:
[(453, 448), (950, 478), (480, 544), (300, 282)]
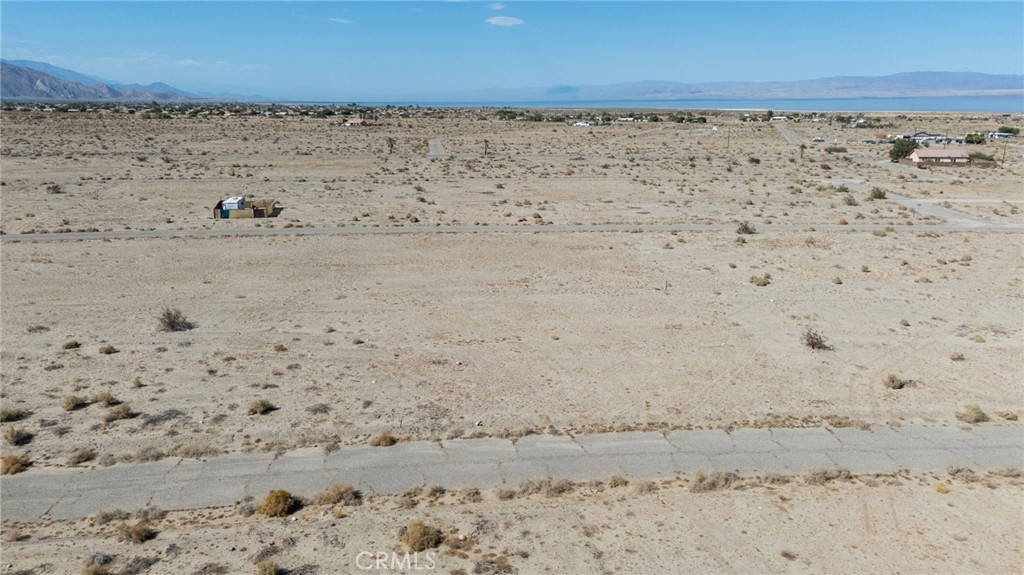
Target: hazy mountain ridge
[(907, 84), (31, 83), (28, 80)]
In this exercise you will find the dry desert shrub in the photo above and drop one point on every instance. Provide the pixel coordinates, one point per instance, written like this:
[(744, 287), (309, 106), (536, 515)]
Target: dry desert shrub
[(140, 532), (616, 481), (814, 340), (96, 569), (504, 494), (645, 487), (80, 455), (418, 536), (549, 487), (338, 493), (893, 381), (498, 565), (384, 439), (108, 349), (718, 480), (823, 476), (956, 356), (761, 281), (962, 474), (147, 454), (279, 503), (17, 436), (73, 402), (11, 464), (261, 407), (8, 414), (104, 517), (746, 228), (267, 567), (174, 320), (72, 344), (123, 411), (105, 398), (972, 414)]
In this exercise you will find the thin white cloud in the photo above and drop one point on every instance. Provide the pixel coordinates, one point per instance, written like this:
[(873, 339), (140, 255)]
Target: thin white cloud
[(340, 20), (497, 6), (188, 63), (506, 21)]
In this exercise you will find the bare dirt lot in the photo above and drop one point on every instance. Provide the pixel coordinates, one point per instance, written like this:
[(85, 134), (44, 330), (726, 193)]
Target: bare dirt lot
[(545, 326)]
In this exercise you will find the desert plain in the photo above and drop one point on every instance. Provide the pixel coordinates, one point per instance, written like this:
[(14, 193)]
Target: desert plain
[(443, 274)]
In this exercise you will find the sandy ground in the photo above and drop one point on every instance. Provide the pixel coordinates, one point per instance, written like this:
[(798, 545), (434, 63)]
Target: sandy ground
[(426, 335), (892, 524)]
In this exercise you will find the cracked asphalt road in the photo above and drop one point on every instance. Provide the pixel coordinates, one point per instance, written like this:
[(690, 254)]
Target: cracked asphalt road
[(484, 463)]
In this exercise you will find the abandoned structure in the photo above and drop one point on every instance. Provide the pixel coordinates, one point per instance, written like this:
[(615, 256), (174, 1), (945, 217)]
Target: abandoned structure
[(240, 207)]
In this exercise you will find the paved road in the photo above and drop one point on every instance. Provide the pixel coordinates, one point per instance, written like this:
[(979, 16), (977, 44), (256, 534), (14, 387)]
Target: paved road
[(485, 463), (436, 149)]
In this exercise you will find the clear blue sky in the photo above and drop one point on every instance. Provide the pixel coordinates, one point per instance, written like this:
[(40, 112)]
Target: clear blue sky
[(355, 50)]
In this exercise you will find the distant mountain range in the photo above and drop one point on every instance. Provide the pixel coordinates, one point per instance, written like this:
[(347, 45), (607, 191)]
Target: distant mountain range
[(908, 84), (28, 80)]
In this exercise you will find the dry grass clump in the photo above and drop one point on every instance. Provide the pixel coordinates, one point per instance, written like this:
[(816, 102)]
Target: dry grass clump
[(962, 474), (105, 398), (174, 320), (746, 228), (504, 494), (80, 455), (261, 407), (71, 344), (73, 402), (823, 476), (96, 569), (11, 464), (279, 503), (140, 532), (956, 356), (8, 414), (338, 493), (497, 566), (108, 350), (418, 536), (893, 381), (549, 487), (616, 481), (17, 436), (384, 439), (123, 411), (972, 414), (814, 340), (761, 281), (104, 517), (645, 487), (267, 567), (718, 480)]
